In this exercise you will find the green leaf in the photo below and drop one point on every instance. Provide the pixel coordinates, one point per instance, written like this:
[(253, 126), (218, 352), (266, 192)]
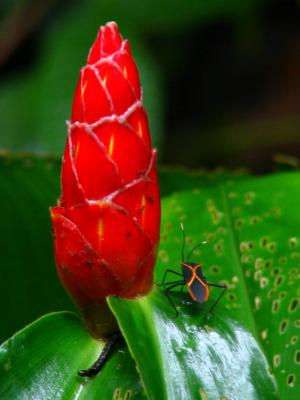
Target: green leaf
[(29, 185), (252, 230), (42, 361), (30, 286), (192, 356)]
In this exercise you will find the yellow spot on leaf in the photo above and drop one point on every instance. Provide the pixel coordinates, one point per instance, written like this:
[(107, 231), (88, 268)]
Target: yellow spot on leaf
[(257, 302), (8, 365), (163, 255), (264, 334), (203, 394), (276, 360), (111, 145), (116, 395)]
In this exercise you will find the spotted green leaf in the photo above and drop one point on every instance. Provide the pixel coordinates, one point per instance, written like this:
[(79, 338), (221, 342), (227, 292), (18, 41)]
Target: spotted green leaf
[(252, 230), (194, 356)]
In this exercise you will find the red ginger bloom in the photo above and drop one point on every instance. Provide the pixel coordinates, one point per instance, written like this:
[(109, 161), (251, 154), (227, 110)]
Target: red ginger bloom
[(106, 224)]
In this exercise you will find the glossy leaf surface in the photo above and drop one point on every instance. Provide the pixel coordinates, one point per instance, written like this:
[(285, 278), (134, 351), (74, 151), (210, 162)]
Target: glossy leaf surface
[(42, 361), (252, 233), (194, 355)]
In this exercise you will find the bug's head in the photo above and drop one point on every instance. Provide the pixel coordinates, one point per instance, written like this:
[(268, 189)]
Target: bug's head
[(190, 264)]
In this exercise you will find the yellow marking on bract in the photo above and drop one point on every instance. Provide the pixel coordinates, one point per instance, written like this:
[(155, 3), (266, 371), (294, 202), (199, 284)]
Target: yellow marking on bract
[(75, 152), (104, 80), (140, 129), (100, 229), (143, 207), (111, 145), (125, 73), (143, 201), (83, 88)]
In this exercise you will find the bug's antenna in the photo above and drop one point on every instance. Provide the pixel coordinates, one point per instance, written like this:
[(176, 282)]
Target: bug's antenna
[(183, 241), (194, 248)]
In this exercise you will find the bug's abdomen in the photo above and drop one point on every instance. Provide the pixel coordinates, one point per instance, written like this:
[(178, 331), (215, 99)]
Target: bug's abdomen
[(198, 291), (196, 283)]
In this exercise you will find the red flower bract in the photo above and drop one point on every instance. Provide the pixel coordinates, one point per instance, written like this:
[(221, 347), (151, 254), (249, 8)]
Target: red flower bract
[(106, 224)]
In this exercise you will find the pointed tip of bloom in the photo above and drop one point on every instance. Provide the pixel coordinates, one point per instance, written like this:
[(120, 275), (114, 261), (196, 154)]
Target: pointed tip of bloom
[(106, 223), (108, 41)]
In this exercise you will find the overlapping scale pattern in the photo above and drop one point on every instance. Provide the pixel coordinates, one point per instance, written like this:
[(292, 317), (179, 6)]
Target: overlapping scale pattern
[(106, 224)]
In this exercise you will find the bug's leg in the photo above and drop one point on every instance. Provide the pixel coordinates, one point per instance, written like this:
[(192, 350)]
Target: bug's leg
[(105, 353), (220, 286), (168, 271), (167, 293), (176, 283)]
